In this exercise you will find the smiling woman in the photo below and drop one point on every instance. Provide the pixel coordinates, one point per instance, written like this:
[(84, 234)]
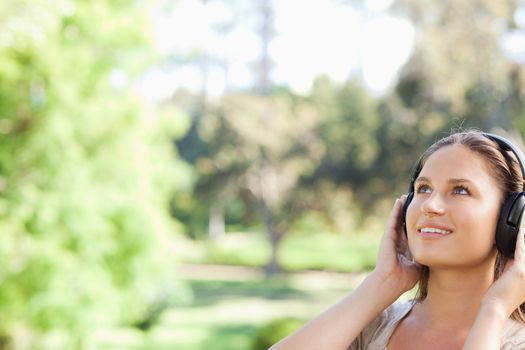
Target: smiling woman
[(465, 195)]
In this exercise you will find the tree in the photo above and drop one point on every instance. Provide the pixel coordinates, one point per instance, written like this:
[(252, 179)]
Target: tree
[(348, 130), (84, 173), (262, 147), (458, 69)]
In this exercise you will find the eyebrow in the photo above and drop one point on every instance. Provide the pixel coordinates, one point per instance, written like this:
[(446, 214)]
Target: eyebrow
[(452, 181)]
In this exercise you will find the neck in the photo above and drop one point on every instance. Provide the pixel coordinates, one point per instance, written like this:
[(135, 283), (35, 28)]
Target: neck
[(454, 295)]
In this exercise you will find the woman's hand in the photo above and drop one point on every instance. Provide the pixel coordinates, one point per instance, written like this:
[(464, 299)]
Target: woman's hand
[(508, 292), (502, 298), (394, 262)]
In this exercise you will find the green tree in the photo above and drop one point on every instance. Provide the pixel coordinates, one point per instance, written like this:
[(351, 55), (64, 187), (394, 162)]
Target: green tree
[(261, 147), (347, 129), (458, 69), (85, 173)]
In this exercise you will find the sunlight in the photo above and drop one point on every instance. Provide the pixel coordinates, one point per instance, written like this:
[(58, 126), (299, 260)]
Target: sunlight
[(311, 38)]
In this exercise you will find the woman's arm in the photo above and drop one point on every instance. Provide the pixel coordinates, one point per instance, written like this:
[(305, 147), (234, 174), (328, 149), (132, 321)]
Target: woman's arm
[(502, 298), (340, 325)]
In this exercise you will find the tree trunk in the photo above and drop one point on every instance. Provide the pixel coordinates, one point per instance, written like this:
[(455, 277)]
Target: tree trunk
[(273, 265), (266, 33), (216, 226), (274, 235)]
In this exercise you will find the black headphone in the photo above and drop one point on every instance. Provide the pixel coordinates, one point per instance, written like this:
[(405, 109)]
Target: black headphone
[(511, 212)]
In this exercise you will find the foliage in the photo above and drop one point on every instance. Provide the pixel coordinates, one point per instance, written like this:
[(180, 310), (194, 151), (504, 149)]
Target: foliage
[(274, 331), (258, 148), (458, 69), (264, 143), (85, 173), (350, 131), (340, 151), (348, 124)]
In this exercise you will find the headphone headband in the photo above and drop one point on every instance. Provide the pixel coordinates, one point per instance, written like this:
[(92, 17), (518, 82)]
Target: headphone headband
[(509, 146)]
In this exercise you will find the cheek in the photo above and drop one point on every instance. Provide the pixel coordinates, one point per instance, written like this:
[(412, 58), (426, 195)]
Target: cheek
[(476, 229), (481, 224)]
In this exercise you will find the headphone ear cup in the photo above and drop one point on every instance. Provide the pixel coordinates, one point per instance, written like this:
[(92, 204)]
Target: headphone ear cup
[(509, 223), (410, 196)]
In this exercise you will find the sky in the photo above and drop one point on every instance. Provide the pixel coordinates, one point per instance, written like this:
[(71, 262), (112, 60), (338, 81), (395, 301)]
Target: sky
[(312, 37)]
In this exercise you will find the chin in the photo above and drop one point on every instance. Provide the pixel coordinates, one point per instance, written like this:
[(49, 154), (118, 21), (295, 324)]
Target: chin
[(425, 261), (434, 259), (454, 262)]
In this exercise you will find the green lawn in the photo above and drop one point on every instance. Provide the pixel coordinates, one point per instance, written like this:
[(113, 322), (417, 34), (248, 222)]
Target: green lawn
[(228, 311), (230, 304), (298, 252)]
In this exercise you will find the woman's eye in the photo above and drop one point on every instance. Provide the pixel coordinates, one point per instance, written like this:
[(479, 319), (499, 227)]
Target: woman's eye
[(423, 189), (461, 190)]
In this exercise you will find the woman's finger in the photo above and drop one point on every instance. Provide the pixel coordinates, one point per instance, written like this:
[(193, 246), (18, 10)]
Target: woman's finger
[(392, 220)]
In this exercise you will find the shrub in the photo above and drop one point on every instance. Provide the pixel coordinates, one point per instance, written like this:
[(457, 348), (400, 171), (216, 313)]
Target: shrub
[(274, 331)]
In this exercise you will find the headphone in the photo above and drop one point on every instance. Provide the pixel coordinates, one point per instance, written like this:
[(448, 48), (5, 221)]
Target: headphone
[(511, 211)]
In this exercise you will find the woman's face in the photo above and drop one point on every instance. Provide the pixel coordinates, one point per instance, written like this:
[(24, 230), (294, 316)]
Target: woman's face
[(452, 219)]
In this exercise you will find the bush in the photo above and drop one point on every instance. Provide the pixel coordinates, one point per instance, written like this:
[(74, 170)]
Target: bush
[(274, 331), (86, 173)]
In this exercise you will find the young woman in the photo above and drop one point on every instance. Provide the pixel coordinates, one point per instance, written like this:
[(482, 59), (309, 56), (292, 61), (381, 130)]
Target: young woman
[(470, 295)]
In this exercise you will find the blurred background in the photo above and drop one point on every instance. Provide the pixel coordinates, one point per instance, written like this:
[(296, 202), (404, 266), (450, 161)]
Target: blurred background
[(194, 174)]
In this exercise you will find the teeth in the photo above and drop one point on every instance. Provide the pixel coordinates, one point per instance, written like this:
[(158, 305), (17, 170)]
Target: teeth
[(435, 230)]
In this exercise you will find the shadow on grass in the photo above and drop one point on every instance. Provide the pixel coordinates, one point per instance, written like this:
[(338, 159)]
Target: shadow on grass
[(233, 337), (210, 292)]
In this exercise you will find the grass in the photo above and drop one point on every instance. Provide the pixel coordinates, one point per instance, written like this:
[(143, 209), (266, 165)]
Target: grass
[(231, 304), (329, 252), (298, 252), (227, 312)]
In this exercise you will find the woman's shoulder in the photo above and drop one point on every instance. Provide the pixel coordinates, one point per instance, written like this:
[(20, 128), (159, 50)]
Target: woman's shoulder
[(513, 335)]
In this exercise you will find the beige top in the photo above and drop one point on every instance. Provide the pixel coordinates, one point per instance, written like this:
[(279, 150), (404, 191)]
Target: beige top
[(377, 334)]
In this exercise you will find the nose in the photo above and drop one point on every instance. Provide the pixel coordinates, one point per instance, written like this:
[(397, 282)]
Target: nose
[(433, 205)]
